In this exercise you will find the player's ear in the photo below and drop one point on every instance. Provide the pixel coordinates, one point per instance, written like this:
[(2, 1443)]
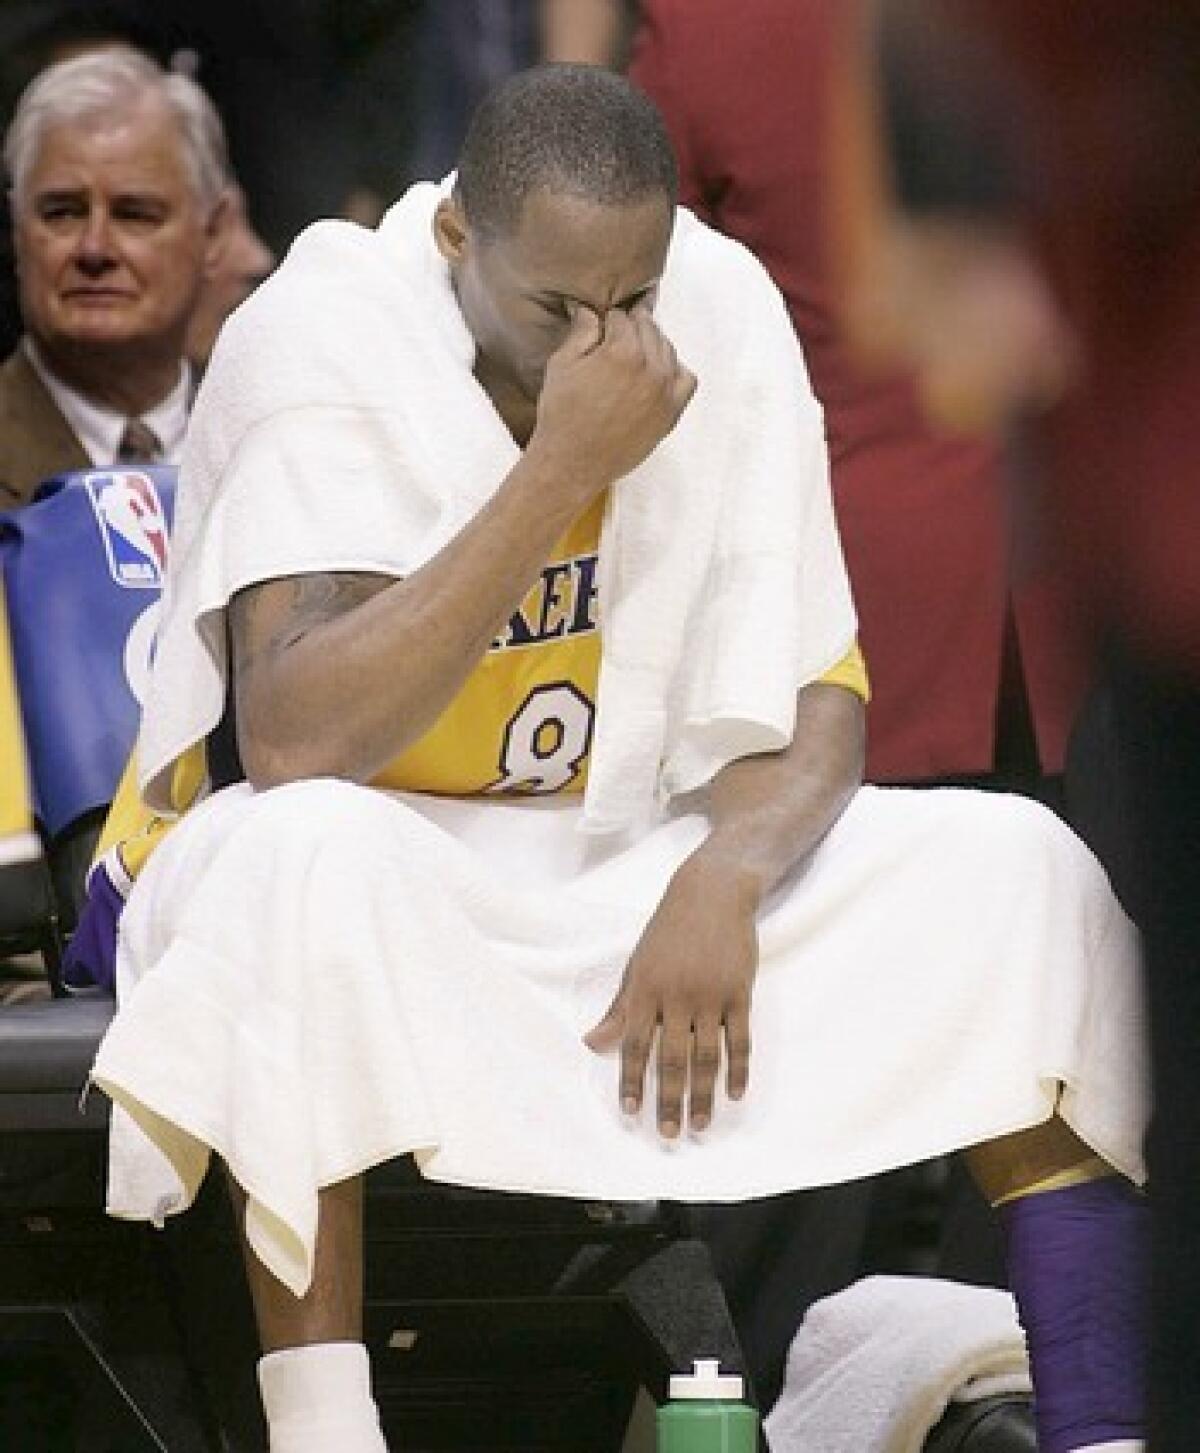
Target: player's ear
[(450, 231)]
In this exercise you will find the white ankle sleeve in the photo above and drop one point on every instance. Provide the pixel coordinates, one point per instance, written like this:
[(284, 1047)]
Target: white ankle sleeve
[(319, 1397)]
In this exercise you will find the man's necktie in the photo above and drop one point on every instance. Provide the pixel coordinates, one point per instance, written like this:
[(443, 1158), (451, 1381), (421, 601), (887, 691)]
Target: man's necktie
[(139, 444)]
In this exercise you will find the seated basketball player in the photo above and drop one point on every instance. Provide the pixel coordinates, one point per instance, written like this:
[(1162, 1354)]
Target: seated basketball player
[(508, 706)]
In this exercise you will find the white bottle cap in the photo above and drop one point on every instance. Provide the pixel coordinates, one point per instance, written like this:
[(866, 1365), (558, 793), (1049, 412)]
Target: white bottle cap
[(706, 1381)]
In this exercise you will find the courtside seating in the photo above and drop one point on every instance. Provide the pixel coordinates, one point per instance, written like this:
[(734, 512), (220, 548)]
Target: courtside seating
[(91, 1354), (82, 570), (494, 1322)]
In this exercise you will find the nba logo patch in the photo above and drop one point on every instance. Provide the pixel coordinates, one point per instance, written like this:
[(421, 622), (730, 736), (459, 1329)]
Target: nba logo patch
[(133, 526)]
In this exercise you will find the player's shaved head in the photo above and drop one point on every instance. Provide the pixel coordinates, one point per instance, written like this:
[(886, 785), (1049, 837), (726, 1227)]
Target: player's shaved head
[(577, 129)]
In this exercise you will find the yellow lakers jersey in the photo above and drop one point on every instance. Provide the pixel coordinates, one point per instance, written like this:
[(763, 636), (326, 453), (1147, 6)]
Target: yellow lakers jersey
[(521, 722)]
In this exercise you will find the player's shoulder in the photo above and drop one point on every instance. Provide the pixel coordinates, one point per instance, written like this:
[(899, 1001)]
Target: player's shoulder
[(696, 240), (326, 258), (714, 271)]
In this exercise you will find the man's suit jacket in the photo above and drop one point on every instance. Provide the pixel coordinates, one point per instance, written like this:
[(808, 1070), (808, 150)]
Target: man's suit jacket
[(35, 439)]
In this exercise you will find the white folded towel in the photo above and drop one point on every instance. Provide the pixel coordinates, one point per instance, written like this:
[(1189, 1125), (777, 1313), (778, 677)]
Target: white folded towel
[(873, 1368), (340, 427)]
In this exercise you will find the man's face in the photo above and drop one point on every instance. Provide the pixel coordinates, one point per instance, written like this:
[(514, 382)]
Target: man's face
[(518, 291), (111, 242)]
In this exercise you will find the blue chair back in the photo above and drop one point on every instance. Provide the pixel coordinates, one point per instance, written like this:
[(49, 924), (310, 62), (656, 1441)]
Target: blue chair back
[(83, 568)]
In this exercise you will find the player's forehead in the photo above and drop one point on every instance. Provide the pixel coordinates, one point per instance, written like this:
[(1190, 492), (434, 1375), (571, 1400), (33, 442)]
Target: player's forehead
[(562, 240)]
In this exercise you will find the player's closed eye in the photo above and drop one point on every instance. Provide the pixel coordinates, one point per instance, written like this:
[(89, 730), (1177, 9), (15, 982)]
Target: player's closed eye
[(644, 300)]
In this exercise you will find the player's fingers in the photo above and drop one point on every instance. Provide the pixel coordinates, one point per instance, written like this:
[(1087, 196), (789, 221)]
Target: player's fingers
[(584, 333), (674, 1055), (620, 335), (657, 348), (636, 1043), (682, 388), (737, 1048), (606, 1033), (706, 1064), (677, 382), (648, 334)]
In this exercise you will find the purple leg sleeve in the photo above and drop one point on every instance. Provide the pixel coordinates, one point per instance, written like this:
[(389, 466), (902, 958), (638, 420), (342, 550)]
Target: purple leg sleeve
[(1078, 1264)]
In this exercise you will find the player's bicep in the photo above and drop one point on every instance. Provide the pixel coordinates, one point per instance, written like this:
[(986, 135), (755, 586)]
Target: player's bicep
[(268, 619)]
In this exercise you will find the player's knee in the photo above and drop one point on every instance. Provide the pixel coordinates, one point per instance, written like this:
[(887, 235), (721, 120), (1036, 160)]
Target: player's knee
[(1024, 834), (315, 812)]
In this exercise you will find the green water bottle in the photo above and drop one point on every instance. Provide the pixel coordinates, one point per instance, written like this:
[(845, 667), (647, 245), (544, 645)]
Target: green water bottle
[(706, 1413)]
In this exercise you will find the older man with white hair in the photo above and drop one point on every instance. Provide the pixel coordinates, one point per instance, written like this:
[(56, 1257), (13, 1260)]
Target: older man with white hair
[(119, 194)]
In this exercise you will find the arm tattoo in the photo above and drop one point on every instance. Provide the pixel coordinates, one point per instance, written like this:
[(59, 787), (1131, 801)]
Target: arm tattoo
[(312, 600)]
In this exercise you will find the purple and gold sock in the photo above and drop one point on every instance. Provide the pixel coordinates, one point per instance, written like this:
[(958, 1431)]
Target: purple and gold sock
[(1078, 1263)]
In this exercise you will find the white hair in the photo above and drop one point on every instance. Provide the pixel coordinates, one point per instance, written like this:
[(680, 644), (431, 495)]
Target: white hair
[(105, 82)]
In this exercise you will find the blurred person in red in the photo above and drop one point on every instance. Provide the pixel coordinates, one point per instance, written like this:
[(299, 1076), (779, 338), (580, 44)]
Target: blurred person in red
[(975, 671), (1068, 311)]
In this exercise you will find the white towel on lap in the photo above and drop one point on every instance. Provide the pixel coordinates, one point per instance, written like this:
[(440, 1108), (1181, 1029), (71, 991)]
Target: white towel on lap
[(343, 975), (339, 427), (872, 1368)]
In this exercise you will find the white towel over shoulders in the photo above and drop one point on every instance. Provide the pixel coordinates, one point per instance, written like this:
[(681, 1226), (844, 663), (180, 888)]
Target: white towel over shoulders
[(340, 427)]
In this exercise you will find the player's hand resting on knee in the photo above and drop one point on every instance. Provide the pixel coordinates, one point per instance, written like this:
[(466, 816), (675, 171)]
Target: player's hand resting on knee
[(685, 996)]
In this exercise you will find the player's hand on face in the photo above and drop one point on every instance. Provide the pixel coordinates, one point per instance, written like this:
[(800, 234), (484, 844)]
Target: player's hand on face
[(685, 999), (612, 392)]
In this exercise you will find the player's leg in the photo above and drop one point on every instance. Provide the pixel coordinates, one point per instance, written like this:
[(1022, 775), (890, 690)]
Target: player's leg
[(1077, 1237), (314, 1374)]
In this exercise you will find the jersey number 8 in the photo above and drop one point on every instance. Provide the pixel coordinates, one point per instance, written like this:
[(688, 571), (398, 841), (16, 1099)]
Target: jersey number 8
[(546, 740)]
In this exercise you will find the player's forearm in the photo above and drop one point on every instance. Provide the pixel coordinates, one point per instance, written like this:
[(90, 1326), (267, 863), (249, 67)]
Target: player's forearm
[(770, 811), (355, 690)]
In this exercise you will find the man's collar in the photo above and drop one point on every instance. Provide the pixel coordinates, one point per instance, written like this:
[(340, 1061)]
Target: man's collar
[(99, 428)]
